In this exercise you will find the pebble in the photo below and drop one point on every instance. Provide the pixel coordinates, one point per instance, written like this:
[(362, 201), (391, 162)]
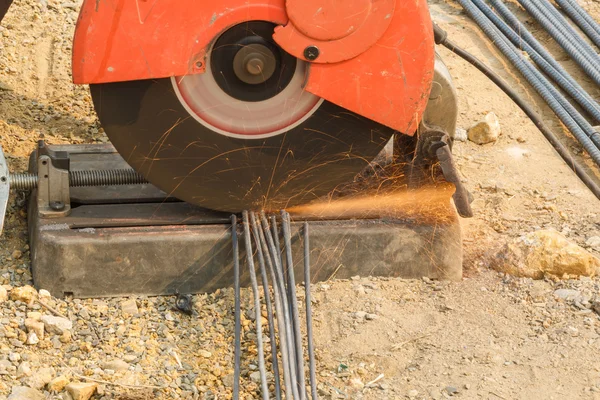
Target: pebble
[(567, 294), (43, 293), (129, 307), (56, 325), (485, 131), (413, 393), (3, 294), (460, 135), (371, 317), (116, 365), (35, 326), (23, 370), (451, 390), (26, 294), (58, 384), (360, 315), (593, 242), (81, 391), (205, 354), (25, 393), (41, 378), (32, 338)]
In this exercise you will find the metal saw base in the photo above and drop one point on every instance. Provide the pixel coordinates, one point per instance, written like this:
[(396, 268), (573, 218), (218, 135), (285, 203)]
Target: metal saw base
[(132, 240)]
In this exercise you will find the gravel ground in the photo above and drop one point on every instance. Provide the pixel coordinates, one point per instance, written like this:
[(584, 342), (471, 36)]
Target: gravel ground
[(490, 336)]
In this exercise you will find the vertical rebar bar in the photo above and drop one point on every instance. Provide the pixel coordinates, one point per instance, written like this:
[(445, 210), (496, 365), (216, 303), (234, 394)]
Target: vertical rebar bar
[(309, 332), (237, 309), (257, 307), (287, 240), (275, 255), (279, 309), (269, 304)]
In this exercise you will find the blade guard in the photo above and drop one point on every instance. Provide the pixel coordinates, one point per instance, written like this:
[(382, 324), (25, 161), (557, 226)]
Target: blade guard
[(372, 57)]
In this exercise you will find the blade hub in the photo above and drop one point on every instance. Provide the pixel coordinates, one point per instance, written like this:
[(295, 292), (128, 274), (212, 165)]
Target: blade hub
[(254, 64)]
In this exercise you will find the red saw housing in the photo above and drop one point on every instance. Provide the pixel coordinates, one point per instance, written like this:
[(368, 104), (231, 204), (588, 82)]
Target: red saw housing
[(372, 57)]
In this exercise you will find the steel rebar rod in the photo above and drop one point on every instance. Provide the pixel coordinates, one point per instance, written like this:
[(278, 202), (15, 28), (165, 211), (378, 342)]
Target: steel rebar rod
[(257, 307), (287, 239), (533, 76), (577, 15), (277, 296), (269, 304), (274, 253), (573, 48), (584, 14), (561, 149), (309, 331), (542, 58), (589, 68), (237, 310)]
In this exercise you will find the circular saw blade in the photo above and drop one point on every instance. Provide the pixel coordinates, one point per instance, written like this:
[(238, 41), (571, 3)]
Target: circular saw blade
[(208, 142)]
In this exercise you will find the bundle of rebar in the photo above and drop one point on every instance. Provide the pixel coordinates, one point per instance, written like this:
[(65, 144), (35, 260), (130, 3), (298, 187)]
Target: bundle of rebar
[(512, 38), (261, 235)]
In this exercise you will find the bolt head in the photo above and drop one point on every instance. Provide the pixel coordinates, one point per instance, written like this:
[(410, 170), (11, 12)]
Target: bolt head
[(57, 205), (311, 53)]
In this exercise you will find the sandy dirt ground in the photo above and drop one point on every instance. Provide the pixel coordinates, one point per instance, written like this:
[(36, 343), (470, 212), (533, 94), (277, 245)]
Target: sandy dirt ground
[(489, 336)]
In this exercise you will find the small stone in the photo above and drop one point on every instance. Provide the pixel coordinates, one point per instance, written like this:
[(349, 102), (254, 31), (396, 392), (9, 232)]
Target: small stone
[(44, 293), (451, 390), (3, 294), (360, 315), (593, 242), (17, 254), (129, 307), (486, 131), (14, 357), (460, 136), (26, 294), (116, 365), (36, 327), (567, 294), (58, 384), (412, 393), (25, 393), (41, 378), (34, 315), (255, 377), (205, 354), (56, 325), (32, 338), (227, 380), (130, 357), (65, 337), (81, 391), (371, 317), (23, 370), (169, 317)]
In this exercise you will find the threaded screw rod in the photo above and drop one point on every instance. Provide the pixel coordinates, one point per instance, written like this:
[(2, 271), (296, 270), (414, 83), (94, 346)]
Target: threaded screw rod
[(104, 177)]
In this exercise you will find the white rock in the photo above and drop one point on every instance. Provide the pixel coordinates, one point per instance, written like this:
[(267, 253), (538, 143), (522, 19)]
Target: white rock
[(485, 131), (56, 325), (41, 378), (23, 370), (14, 357), (44, 293), (3, 294), (32, 338), (25, 393), (460, 135), (81, 391), (116, 365), (129, 307), (26, 294), (567, 294), (593, 242)]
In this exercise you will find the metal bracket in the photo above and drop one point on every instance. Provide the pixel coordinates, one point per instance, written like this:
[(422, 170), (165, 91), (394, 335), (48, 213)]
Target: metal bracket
[(53, 196), (4, 188)]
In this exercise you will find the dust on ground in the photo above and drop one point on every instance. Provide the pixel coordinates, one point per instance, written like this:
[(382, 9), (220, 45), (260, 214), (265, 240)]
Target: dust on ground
[(489, 336)]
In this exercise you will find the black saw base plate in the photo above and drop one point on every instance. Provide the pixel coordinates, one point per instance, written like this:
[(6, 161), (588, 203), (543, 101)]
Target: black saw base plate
[(132, 240)]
